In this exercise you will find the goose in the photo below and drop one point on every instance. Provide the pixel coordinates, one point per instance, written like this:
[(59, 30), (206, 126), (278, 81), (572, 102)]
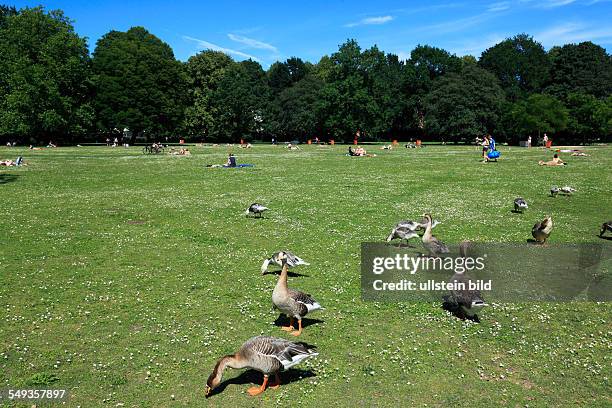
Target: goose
[(568, 190), (256, 210), (407, 229), (266, 354), (462, 301), (541, 230), (520, 204), (293, 303), (606, 226), (554, 191), (403, 232), (468, 302), (432, 244), (292, 260)]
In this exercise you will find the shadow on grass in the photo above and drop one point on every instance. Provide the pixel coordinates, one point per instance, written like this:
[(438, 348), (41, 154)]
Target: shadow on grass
[(255, 377), (606, 238), (289, 273), (402, 245), (7, 178), (283, 320), (534, 242)]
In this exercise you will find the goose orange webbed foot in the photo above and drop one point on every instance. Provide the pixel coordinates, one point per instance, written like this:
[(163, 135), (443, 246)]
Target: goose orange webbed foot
[(290, 327), (253, 391), (296, 333)]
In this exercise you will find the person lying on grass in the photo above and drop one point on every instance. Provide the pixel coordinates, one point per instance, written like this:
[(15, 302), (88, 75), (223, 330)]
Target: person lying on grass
[(360, 152), (556, 161), (10, 163)]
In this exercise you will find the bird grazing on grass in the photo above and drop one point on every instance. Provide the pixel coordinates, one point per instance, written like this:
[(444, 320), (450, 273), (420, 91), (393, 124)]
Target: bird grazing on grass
[(402, 232), (432, 244), (256, 210), (463, 301), (292, 260), (293, 303), (406, 230), (268, 355), (567, 190), (520, 204), (605, 227), (541, 230)]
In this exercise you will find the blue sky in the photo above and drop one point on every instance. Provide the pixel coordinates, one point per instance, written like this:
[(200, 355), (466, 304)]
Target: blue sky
[(274, 30)]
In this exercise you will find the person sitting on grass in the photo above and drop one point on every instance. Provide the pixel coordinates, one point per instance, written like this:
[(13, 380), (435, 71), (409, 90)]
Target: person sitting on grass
[(231, 161), (556, 161)]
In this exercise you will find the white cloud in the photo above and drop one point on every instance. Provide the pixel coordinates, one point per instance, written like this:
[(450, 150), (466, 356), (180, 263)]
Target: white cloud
[(371, 21), (475, 47), (555, 3), (252, 43), (499, 6), (568, 33), (207, 45)]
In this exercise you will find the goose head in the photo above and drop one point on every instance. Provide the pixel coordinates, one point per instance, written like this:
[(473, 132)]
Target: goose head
[(211, 384)]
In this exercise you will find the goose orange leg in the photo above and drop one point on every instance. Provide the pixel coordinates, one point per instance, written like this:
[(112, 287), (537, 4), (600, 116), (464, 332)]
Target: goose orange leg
[(297, 333), (290, 327), (277, 382), (258, 390)]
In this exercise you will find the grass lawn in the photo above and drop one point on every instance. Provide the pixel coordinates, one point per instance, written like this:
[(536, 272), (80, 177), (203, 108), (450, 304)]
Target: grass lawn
[(124, 277)]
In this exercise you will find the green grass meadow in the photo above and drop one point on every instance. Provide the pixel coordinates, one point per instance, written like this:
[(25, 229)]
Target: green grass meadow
[(124, 277)]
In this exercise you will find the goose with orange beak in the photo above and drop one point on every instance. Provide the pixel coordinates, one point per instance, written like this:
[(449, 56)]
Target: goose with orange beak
[(293, 303), (268, 355)]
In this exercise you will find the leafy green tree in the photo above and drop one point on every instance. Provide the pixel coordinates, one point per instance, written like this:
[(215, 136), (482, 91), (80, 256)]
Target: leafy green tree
[(463, 105), (428, 63), (241, 102), (204, 74), (520, 63), (5, 12), (282, 75), (432, 62), (298, 117), (584, 68), (139, 84), (590, 119), (539, 113), (44, 70), (346, 105)]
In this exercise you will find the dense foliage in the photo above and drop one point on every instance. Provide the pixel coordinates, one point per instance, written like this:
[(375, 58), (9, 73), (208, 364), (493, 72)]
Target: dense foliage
[(50, 88)]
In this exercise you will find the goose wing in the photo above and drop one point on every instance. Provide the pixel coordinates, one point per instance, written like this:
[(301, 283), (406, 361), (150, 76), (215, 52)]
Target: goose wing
[(520, 201), (288, 353), (408, 224), (436, 246), (294, 260), (537, 227), (305, 301), (465, 297)]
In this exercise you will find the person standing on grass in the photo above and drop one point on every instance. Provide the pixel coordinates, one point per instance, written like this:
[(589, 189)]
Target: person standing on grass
[(485, 147), (545, 140), (529, 141)]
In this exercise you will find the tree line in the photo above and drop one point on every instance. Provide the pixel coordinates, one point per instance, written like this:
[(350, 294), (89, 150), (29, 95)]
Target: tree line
[(51, 88)]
